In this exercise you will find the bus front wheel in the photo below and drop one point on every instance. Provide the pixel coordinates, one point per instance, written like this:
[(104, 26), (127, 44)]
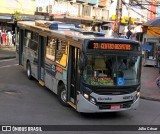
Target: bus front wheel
[(28, 71), (62, 95)]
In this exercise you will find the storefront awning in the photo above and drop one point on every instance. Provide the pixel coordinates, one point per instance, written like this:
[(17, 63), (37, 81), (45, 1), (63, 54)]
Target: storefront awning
[(146, 47), (5, 18)]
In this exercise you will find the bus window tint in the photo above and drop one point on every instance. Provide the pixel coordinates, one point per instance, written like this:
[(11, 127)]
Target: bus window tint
[(33, 45), (27, 38), (62, 53), (106, 70), (28, 34), (35, 36), (50, 48)]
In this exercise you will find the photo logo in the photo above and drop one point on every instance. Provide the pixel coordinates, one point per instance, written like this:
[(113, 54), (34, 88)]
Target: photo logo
[(6, 128)]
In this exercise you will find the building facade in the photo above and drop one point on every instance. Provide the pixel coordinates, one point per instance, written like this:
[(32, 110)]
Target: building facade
[(101, 13), (14, 9), (86, 12)]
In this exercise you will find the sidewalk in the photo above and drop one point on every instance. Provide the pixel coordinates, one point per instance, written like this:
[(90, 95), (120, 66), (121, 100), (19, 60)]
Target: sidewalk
[(7, 52), (149, 89)]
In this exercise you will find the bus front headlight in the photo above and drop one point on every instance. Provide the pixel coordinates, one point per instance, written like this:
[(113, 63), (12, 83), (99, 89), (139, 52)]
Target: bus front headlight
[(92, 100), (136, 96), (89, 98), (86, 96)]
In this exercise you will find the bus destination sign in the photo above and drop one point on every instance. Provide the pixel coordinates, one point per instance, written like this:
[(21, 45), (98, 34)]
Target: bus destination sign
[(110, 46)]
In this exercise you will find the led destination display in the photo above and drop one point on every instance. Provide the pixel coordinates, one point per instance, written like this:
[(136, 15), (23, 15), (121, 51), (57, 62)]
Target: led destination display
[(110, 46)]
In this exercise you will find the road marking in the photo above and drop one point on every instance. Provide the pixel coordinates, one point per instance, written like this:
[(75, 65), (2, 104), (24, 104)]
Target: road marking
[(8, 66), (8, 60)]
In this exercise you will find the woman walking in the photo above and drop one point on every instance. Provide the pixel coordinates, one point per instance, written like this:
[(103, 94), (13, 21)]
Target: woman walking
[(3, 38)]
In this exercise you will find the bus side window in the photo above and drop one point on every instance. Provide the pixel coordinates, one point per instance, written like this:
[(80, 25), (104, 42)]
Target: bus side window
[(27, 38), (33, 45), (62, 52), (50, 48)]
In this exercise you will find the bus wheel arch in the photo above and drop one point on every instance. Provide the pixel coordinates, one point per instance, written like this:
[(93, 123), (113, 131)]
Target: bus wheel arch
[(28, 70), (62, 93)]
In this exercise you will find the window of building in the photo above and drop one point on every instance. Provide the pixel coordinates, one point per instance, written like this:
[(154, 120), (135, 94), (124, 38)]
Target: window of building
[(86, 10)]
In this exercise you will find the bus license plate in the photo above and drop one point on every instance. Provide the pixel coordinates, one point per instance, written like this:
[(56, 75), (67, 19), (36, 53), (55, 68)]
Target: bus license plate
[(115, 107)]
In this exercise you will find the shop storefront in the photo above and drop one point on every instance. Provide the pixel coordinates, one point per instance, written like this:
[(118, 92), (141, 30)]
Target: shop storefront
[(149, 49), (6, 22)]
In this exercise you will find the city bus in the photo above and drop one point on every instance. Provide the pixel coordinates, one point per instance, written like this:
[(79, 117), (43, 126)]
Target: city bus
[(85, 69)]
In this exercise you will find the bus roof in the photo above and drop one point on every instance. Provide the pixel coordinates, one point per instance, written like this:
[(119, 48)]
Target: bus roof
[(66, 30)]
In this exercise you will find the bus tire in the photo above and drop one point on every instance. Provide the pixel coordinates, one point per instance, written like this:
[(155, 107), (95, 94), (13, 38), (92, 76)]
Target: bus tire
[(28, 71), (158, 83), (62, 95)]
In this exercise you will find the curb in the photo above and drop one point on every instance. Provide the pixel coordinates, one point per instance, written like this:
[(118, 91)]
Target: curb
[(10, 57), (8, 49)]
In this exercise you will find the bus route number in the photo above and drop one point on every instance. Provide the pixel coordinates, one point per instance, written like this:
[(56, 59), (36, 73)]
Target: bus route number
[(112, 46)]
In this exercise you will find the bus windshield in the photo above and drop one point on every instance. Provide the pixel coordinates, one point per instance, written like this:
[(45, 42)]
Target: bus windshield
[(112, 70)]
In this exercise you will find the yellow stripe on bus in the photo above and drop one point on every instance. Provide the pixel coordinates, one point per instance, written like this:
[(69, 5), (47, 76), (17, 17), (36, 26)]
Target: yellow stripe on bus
[(41, 83), (72, 105)]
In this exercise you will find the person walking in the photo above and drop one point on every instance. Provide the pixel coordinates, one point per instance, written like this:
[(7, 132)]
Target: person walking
[(10, 44), (0, 38), (3, 38)]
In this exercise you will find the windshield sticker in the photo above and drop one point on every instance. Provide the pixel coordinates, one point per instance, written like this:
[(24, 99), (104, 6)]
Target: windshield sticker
[(120, 81), (59, 69), (64, 75)]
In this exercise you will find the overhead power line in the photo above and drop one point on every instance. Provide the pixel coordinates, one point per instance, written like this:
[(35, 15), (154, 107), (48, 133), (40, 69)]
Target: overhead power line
[(137, 2), (129, 6)]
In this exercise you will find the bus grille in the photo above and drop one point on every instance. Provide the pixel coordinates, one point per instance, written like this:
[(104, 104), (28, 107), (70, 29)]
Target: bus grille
[(114, 92), (126, 104)]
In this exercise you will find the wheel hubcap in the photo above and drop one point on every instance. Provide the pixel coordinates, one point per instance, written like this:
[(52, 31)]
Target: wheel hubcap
[(28, 71), (63, 95), (158, 83)]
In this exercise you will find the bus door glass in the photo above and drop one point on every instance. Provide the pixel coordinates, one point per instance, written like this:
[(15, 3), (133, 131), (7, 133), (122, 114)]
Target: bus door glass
[(42, 42), (21, 45), (73, 73), (31, 50)]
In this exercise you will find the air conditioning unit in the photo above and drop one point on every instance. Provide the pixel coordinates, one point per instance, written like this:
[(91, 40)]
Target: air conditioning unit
[(96, 5)]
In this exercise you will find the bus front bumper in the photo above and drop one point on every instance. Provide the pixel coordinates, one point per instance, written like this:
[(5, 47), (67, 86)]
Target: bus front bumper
[(86, 106)]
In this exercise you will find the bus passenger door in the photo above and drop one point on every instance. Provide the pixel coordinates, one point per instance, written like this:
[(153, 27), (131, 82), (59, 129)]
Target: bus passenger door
[(41, 51), (21, 47), (73, 74)]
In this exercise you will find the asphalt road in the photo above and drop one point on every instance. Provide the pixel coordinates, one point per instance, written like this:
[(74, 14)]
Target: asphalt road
[(25, 102)]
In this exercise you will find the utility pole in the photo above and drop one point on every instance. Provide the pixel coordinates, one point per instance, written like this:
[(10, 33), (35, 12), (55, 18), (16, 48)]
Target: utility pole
[(118, 18), (129, 23)]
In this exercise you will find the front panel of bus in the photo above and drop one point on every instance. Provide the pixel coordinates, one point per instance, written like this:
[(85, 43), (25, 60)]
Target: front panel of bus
[(110, 75)]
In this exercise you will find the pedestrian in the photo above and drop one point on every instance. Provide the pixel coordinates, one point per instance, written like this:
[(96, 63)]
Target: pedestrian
[(119, 65), (3, 38), (0, 38), (129, 34), (158, 60), (10, 39), (13, 38)]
